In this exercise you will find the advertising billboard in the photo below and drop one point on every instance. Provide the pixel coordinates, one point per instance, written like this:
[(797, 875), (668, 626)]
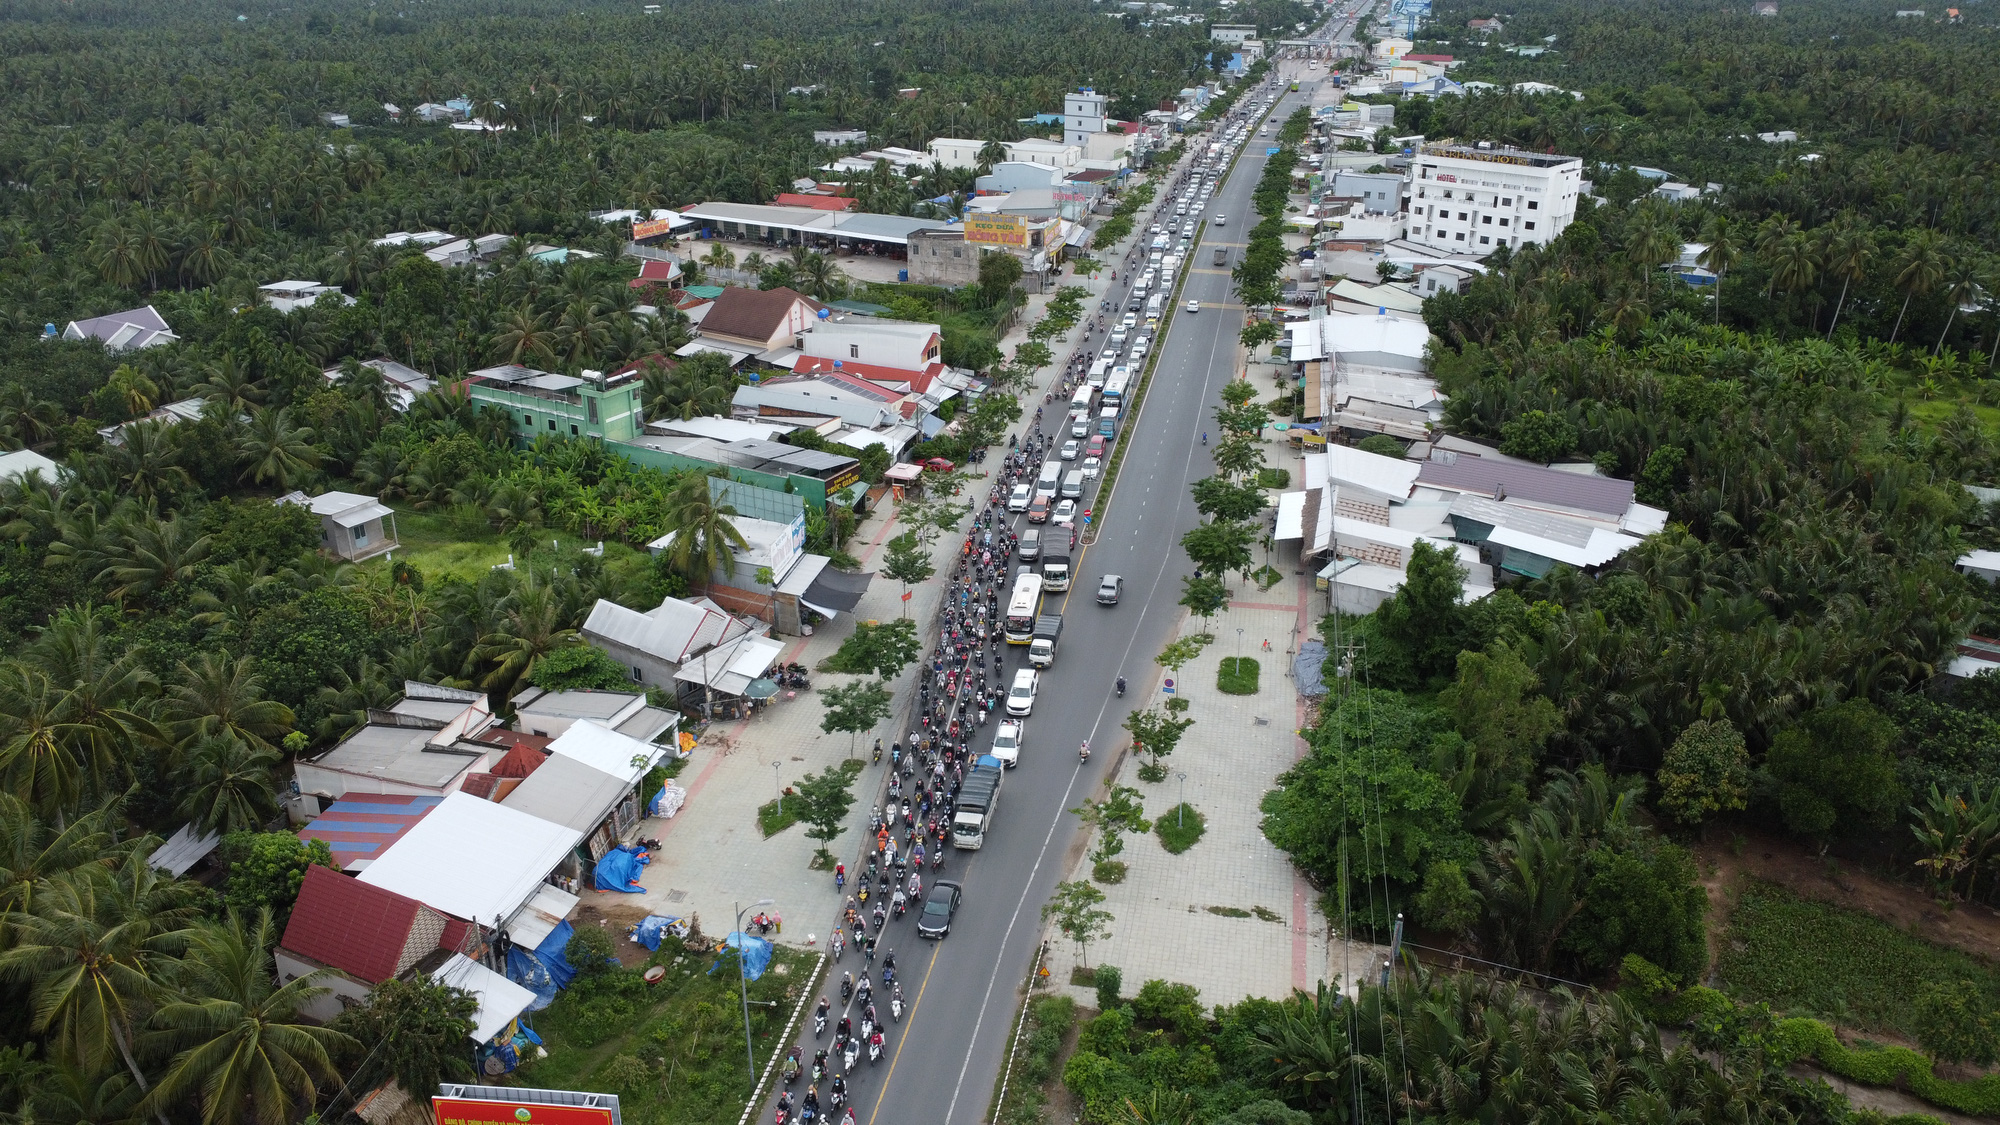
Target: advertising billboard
[(497, 1105), (651, 228), (997, 230)]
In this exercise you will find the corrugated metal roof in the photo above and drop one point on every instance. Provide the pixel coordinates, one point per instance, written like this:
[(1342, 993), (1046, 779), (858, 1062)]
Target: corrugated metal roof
[(1484, 476)]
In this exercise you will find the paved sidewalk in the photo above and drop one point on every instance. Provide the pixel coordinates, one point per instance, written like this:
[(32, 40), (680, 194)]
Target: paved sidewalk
[(712, 855)]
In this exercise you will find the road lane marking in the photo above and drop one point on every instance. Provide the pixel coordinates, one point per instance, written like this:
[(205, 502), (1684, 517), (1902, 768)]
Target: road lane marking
[(897, 1054)]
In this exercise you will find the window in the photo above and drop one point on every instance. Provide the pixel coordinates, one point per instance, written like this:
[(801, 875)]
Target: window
[(1503, 220), (1485, 241), (1486, 220), (1460, 236), (1529, 225), (592, 404), (1506, 201), (527, 419), (1534, 204), (552, 424), (638, 673), (1447, 193), (572, 429), (1464, 218), (361, 536), (854, 351)]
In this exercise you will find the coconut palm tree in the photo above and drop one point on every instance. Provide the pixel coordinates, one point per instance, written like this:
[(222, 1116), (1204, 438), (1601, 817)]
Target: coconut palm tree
[(50, 755), (94, 956), (531, 627), (1847, 250), (151, 554), (34, 850), (214, 696), (1721, 254), (1919, 265), (1964, 281), (241, 1052), (705, 541), (227, 786), (275, 451)]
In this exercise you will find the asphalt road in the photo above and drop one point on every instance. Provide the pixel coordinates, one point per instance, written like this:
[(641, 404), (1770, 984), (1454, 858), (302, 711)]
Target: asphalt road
[(962, 993)]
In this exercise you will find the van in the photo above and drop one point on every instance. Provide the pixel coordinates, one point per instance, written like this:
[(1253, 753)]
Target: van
[(1030, 546), (1072, 485), (1045, 485), (1021, 697), (1154, 304), (1098, 369)]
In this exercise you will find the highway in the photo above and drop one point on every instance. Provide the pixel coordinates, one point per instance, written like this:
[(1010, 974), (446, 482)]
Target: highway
[(944, 1058)]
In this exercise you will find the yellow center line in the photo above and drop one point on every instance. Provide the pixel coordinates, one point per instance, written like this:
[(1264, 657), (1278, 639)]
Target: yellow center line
[(897, 1054)]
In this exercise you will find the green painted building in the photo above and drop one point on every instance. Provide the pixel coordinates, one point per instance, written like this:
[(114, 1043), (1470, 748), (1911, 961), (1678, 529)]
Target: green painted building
[(591, 405)]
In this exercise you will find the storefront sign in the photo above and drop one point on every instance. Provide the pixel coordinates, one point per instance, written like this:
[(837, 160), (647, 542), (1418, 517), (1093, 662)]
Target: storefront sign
[(651, 228), (997, 230), (524, 1110)]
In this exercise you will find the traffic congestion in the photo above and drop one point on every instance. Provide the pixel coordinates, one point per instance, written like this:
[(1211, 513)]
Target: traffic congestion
[(997, 632)]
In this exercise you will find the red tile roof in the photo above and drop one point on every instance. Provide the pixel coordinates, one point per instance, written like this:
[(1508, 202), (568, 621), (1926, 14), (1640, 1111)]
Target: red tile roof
[(653, 271), (752, 314), (816, 202), (364, 931), (918, 381), (521, 761), (1427, 58)]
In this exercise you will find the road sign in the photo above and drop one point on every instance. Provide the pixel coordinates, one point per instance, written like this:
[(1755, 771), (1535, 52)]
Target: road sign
[(1167, 685)]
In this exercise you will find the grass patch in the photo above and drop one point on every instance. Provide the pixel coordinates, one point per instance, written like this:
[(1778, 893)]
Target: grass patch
[(1267, 914), (454, 543), (1229, 911), (1274, 478), (1266, 577), (672, 1051), (1083, 976), (1179, 827), (1809, 957), (1108, 871), (1237, 676), (776, 815)]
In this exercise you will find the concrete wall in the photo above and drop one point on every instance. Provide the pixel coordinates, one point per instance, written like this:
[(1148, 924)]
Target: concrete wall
[(342, 991)]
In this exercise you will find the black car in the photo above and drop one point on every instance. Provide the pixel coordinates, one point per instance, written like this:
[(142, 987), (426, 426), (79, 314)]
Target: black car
[(934, 921)]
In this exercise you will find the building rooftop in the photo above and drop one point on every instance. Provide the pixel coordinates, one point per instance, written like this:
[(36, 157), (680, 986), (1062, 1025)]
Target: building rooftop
[(361, 826), (1498, 154), (367, 932)]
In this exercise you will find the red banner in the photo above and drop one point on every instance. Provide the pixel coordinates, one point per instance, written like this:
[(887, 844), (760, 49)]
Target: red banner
[(467, 1111)]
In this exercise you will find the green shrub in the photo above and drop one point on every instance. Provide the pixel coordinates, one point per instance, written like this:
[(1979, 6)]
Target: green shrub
[(590, 952), (1180, 827), (1237, 676), (1888, 1066), (1109, 979)]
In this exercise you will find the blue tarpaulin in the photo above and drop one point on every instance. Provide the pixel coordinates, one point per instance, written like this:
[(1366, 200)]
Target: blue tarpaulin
[(652, 928), (756, 953), (544, 971), (619, 870)]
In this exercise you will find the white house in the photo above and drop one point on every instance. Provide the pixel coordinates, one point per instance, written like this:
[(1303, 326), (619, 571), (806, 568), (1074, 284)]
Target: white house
[(897, 344), (1472, 198), (1055, 154), (1083, 116), (956, 152), (285, 296)]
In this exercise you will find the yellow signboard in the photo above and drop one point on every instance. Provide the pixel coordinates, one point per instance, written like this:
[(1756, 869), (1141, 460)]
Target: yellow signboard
[(651, 228), (997, 230)]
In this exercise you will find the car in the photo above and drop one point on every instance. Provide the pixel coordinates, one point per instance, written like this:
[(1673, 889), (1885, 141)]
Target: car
[(1130, 320), (1065, 511), (1007, 742), (1017, 500), (940, 903), (1194, 306), (1079, 425), (1092, 466), (1221, 220), (1110, 588), (1096, 446), (938, 465), (1070, 449), (1038, 510), (1021, 696)]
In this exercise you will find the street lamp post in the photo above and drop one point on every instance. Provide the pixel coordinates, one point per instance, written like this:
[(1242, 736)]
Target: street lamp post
[(1181, 812), (743, 985)]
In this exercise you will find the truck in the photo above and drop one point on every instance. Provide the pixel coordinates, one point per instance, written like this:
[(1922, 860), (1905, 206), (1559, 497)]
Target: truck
[(1222, 255), (978, 801), (1055, 565), (1048, 627)]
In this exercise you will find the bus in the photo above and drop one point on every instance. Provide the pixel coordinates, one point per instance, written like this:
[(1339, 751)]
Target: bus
[(1114, 387), (1023, 606), (1082, 400)]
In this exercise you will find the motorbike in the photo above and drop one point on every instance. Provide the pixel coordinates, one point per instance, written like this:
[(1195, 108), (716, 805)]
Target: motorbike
[(896, 1004), (852, 1053), (1083, 752), (784, 1114), (875, 1048), (819, 1019), (846, 987), (1121, 686), (839, 947), (878, 750), (793, 1065)]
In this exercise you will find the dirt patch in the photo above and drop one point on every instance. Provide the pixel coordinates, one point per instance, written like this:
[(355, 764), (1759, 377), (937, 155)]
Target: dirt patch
[(615, 921), (1797, 867)]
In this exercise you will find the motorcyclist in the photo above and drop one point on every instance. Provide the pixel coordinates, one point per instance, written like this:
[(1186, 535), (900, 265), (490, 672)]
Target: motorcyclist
[(1083, 752), (1121, 685)]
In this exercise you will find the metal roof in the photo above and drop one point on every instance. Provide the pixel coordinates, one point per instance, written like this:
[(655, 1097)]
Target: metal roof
[(1502, 480)]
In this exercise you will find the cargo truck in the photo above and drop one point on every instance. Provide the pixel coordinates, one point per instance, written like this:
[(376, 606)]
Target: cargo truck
[(978, 800), (1055, 565), (1048, 628)]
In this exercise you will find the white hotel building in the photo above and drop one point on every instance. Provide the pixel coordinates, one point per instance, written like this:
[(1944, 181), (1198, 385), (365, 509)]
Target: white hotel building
[(1471, 198)]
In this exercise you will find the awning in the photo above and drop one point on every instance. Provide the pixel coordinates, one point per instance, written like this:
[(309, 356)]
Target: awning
[(501, 1001), (903, 471), (729, 667), (1291, 517), (540, 915), (183, 850), (826, 590)]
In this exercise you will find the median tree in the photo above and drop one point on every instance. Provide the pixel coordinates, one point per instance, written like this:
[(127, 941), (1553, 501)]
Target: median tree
[(1074, 910), (1204, 597), (1219, 546), (1239, 456), (853, 708)]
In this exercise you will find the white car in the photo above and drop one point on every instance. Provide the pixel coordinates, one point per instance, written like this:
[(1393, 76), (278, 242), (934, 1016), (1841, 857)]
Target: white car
[(1138, 352), (1070, 449), (1221, 220), (1092, 466), (1007, 742), (1021, 697), (1065, 512), (1194, 306), (1017, 500)]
